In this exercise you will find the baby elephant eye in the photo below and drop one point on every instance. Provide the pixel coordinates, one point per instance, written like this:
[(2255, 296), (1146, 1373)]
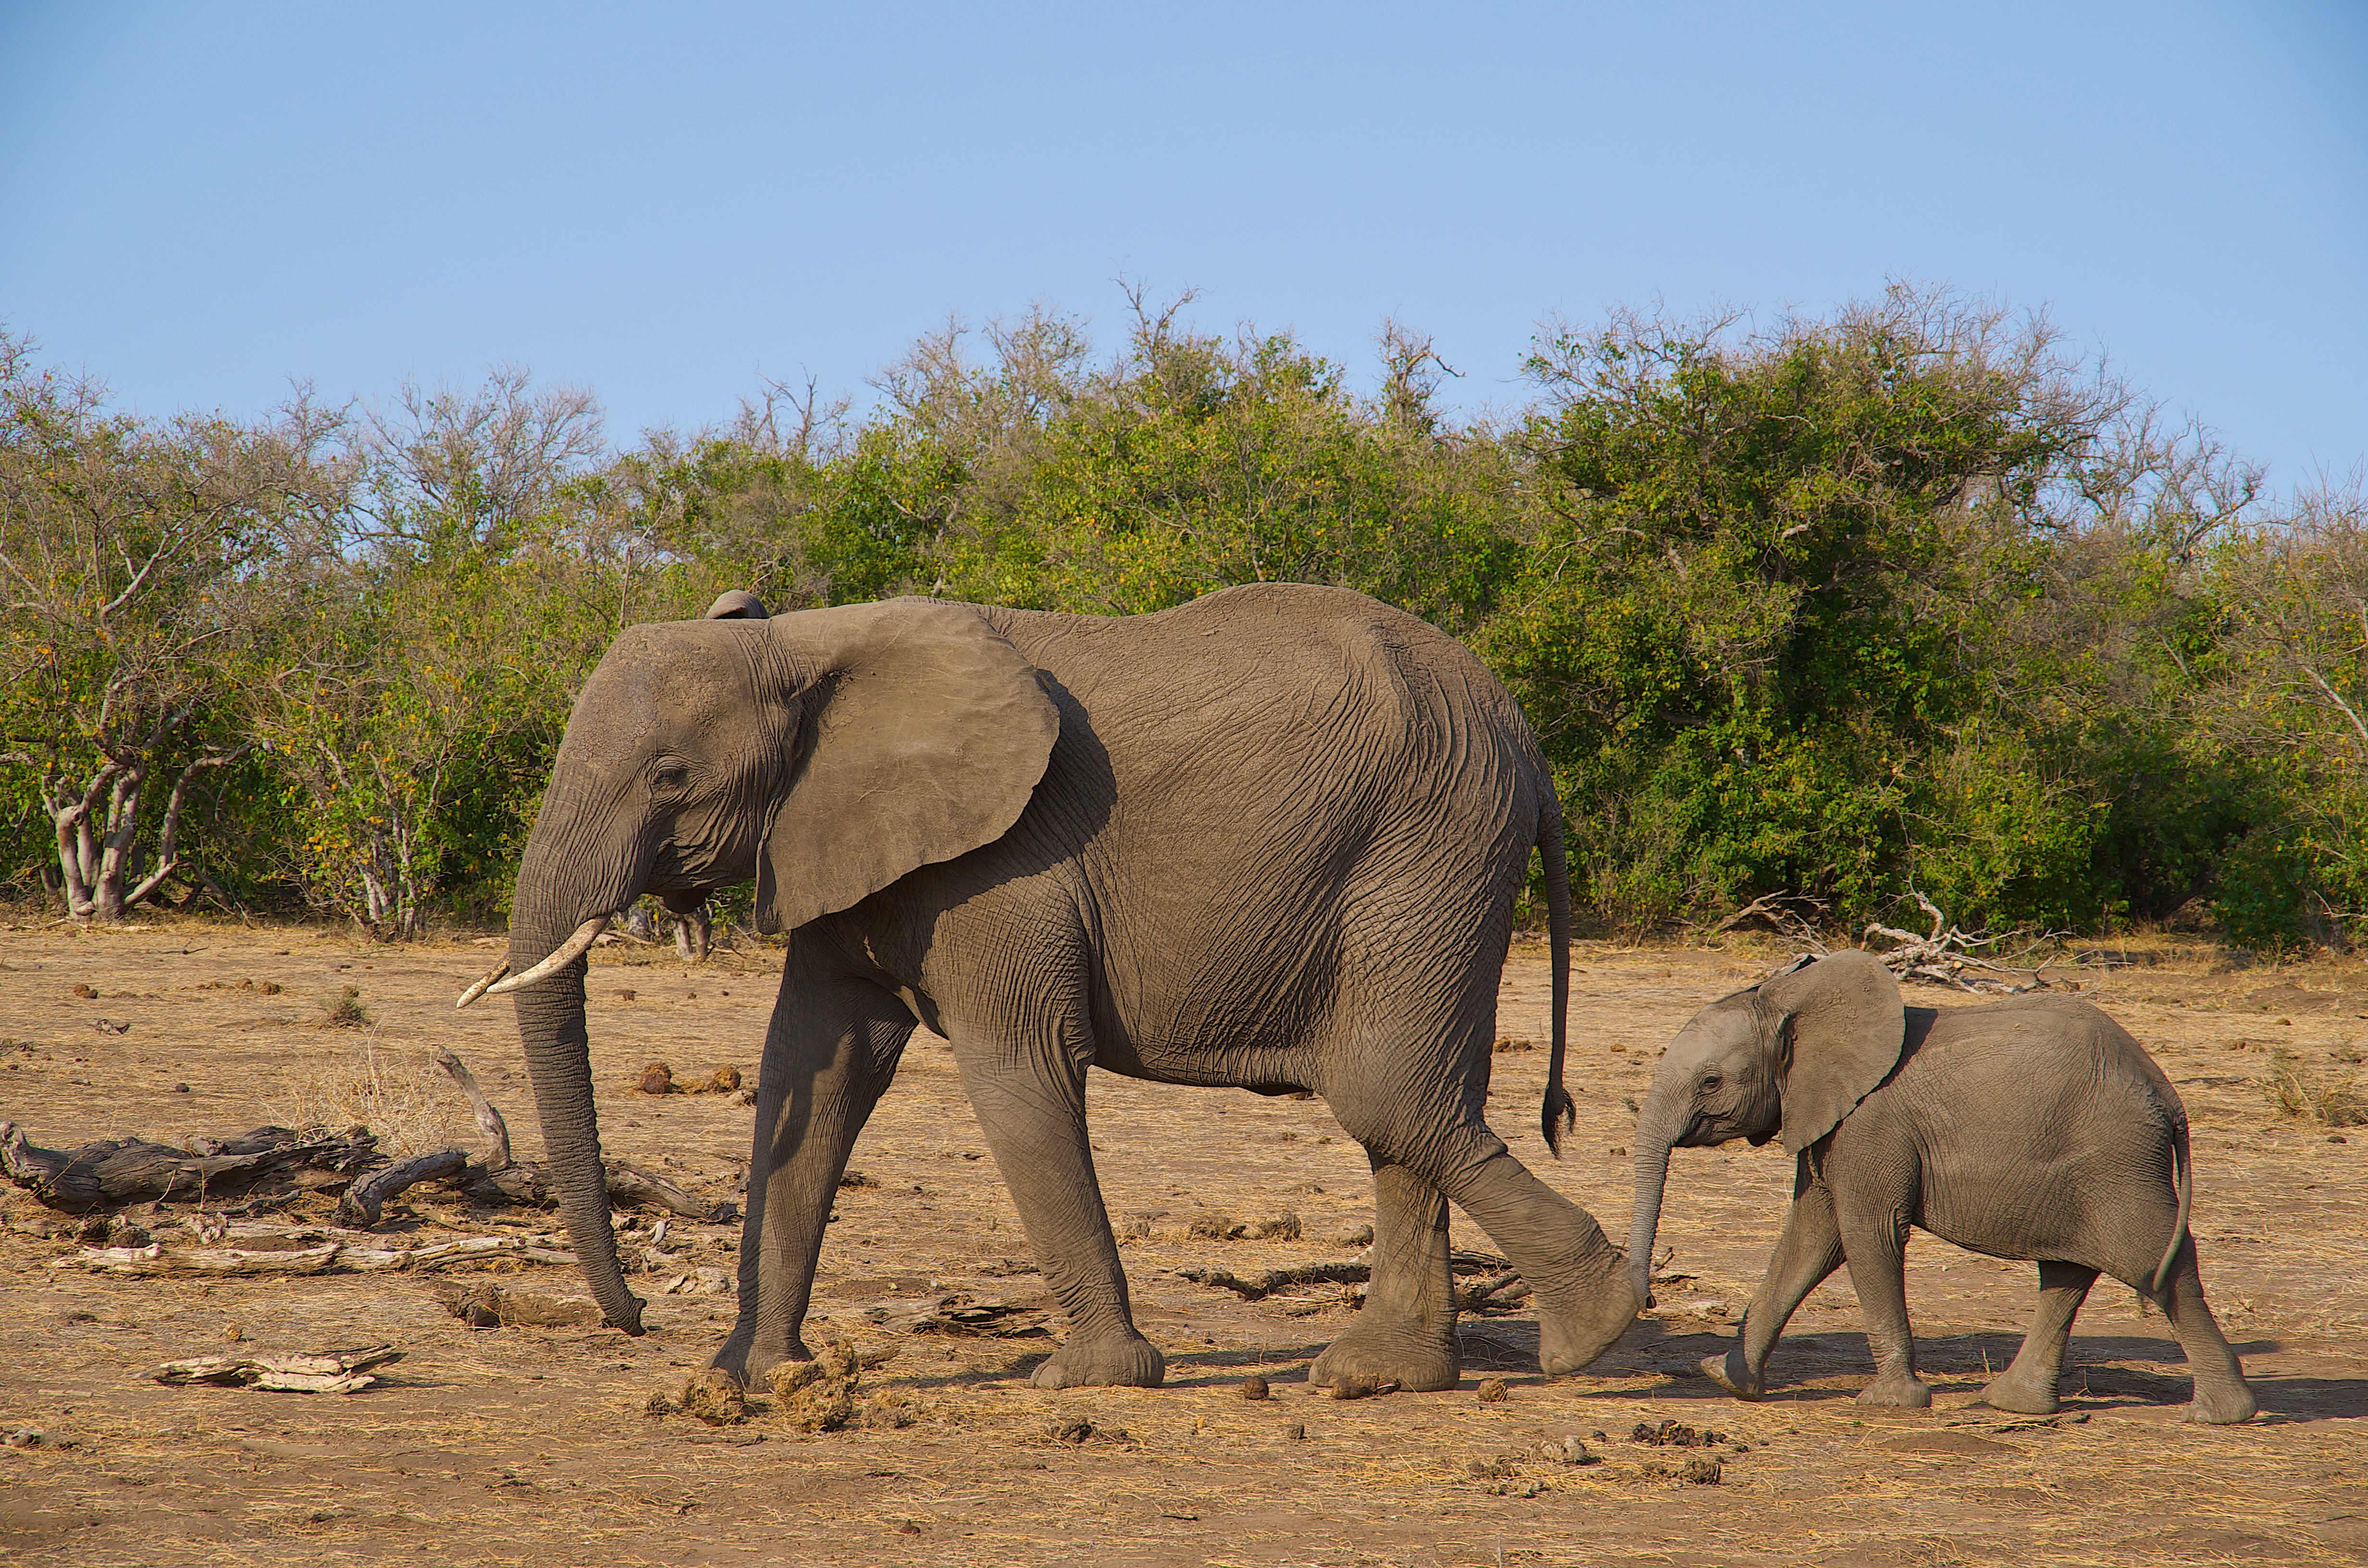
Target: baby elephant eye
[(1710, 1085)]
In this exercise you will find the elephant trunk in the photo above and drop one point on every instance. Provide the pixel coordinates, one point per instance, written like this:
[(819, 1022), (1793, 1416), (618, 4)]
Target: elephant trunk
[(1658, 1127), (551, 901)]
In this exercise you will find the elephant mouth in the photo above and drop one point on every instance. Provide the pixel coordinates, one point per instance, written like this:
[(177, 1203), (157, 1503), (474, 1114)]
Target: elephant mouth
[(1703, 1131)]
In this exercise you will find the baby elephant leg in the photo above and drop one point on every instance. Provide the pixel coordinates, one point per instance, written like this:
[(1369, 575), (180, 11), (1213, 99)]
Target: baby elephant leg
[(2028, 1387), (2222, 1395), (1809, 1249), (1876, 1248)]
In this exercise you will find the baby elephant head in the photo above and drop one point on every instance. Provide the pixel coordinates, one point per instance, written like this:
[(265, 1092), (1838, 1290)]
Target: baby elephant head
[(1790, 1057)]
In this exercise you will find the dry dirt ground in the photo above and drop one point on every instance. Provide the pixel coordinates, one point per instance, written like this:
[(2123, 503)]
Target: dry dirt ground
[(532, 1445)]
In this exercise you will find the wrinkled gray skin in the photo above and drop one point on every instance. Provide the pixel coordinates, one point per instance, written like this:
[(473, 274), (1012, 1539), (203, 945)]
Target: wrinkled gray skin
[(1268, 840), (2030, 1128)]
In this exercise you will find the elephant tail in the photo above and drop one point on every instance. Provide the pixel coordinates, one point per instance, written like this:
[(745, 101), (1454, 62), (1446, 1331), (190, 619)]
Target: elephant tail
[(2182, 1172), (1558, 1115)]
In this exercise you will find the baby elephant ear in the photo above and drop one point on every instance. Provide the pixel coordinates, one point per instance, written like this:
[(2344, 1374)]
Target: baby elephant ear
[(1845, 1021), (923, 736)]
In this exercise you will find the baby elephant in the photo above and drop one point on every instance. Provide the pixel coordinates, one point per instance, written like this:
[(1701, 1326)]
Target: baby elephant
[(2030, 1128)]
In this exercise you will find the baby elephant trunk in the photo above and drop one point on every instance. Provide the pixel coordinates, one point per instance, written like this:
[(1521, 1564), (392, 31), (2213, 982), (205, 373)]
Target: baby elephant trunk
[(1658, 1128)]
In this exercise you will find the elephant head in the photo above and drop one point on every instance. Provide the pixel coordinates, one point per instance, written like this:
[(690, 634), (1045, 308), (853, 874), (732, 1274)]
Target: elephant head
[(828, 753), (1790, 1057)]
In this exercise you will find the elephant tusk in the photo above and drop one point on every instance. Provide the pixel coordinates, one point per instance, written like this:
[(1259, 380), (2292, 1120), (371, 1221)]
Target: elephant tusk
[(568, 953), (484, 984)]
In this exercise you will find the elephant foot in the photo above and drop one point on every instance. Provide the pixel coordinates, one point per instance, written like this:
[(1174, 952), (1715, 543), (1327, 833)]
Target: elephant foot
[(1571, 1332), (1898, 1391), (1377, 1357), (2222, 1407), (2021, 1396), (1729, 1373), (746, 1364), (1131, 1361)]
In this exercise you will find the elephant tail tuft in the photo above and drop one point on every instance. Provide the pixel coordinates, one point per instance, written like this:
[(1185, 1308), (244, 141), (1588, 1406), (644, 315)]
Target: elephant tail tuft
[(2183, 1172), (1558, 1115)]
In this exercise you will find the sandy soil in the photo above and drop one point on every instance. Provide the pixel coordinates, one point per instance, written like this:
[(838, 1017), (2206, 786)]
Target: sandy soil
[(531, 1446)]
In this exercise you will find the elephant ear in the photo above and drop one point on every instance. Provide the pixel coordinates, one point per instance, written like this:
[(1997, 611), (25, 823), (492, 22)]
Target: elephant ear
[(923, 736), (736, 604), (1844, 1022)]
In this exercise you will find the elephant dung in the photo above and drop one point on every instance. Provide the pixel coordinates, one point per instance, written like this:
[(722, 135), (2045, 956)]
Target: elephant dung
[(819, 1395), (714, 1397)]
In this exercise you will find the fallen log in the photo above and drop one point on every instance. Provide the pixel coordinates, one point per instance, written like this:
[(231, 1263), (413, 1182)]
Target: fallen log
[(116, 1171), (330, 1258), (1498, 1289), (1943, 955), (333, 1371), (153, 1259), (359, 1209), (489, 1304), (1273, 1279), (489, 1121), (1493, 1293), (503, 1179), (629, 1185)]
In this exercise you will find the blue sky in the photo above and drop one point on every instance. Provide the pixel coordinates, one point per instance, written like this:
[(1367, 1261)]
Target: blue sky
[(671, 204)]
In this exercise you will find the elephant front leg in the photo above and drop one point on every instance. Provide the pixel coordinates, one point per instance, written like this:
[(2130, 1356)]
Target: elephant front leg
[(1405, 1333), (1809, 1249), (2028, 1387), (827, 1060), (1031, 1105), (1876, 1250)]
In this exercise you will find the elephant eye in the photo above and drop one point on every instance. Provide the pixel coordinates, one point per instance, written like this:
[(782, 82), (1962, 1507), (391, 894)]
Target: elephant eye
[(672, 776), (1710, 1085)]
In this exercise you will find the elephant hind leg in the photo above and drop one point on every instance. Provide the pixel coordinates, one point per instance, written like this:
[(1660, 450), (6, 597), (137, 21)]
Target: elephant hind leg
[(2222, 1395), (2028, 1387), (1406, 1334), (1579, 1281), (1026, 1077)]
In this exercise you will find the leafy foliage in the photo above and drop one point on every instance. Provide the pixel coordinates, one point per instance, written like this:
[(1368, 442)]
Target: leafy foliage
[(1902, 599)]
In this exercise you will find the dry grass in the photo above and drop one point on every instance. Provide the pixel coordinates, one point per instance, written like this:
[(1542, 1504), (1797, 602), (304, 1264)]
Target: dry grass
[(524, 1443), (346, 1010), (2298, 1091), (403, 1097)]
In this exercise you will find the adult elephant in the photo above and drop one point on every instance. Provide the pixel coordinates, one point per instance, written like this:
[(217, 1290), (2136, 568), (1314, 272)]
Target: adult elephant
[(1269, 839)]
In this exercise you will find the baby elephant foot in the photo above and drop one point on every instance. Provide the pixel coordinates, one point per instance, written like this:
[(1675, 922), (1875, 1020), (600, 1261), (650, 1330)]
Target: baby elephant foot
[(1898, 1391), (1405, 1356), (1129, 1362), (2021, 1396), (2222, 1407), (1733, 1374)]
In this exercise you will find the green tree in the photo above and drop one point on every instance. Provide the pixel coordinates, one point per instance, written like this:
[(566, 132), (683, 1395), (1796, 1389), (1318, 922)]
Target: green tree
[(2292, 697), (430, 651), (132, 551), (1743, 629)]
